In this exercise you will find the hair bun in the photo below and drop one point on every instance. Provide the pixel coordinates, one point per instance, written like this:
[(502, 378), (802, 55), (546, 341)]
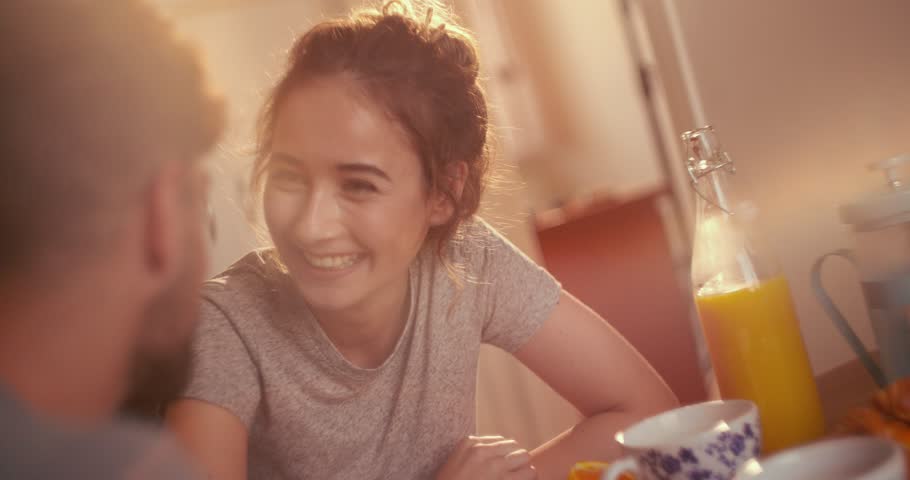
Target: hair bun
[(458, 51), (453, 45)]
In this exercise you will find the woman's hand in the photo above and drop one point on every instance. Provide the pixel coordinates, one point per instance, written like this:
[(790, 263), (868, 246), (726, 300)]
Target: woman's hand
[(488, 458)]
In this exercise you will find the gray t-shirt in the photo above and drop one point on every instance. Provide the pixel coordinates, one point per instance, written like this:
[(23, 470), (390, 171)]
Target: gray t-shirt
[(311, 414), (33, 448)]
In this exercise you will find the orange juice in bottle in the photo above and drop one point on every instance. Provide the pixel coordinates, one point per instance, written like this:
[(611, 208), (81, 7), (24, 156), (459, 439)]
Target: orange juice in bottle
[(744, 304), (758, 353)]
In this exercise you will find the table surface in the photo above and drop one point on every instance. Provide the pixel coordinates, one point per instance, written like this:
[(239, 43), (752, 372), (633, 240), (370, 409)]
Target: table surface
[(842, 388)]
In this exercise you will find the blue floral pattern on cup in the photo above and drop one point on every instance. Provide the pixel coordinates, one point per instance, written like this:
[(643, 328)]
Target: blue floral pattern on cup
[(717, 460)]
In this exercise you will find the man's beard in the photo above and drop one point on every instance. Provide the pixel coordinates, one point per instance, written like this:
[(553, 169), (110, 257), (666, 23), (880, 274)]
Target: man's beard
[(160, 367), (156, 379)]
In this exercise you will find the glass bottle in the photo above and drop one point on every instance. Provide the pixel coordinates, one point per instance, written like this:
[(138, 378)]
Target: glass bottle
[(745, 307)]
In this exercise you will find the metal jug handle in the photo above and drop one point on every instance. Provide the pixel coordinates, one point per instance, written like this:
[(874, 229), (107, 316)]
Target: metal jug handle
[(839, 321)]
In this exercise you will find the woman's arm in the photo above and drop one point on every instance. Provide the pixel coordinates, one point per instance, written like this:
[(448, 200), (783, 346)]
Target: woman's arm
[(591, 365), (215, 438)]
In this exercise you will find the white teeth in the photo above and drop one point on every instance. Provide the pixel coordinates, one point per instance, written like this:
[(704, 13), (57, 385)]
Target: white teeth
[(332, 262)]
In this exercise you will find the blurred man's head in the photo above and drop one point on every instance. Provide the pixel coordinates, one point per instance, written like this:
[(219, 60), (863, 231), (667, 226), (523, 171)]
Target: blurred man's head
[(105, 118)]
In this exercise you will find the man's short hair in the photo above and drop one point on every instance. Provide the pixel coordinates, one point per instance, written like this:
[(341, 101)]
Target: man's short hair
[(95, 95)]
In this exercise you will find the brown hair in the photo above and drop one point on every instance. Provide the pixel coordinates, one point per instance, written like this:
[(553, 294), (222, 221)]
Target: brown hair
[(95, 96), (423, 71)]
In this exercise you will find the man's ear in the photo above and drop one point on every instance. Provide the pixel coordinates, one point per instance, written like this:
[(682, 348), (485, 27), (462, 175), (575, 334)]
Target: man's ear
[(161, 223), (442, 207)]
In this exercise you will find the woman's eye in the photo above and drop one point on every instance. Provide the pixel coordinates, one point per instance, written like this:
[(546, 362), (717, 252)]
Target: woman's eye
[(360, 187), (286, 176)]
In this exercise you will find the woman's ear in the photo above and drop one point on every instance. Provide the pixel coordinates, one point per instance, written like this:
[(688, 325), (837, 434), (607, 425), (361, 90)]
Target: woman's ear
[(442, 207)]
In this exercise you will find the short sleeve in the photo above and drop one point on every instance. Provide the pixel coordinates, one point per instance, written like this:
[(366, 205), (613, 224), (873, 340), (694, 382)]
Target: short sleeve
[(520, 294), (223, 373)]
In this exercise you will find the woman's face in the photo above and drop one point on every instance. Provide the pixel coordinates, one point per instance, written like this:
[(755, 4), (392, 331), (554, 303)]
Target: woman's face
[(345, 199)]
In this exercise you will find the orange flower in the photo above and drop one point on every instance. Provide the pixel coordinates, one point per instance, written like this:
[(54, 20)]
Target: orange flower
[(592, 471)]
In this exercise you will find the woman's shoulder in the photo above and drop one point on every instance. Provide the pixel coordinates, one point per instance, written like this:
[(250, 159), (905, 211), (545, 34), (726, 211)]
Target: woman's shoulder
[(477, 240), (252, 283), (475, 237), (479, 251)]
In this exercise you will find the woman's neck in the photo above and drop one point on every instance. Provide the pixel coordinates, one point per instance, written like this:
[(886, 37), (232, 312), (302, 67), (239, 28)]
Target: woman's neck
[(367, 333)]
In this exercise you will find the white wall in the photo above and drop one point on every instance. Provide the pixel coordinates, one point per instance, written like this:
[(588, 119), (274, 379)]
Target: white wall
[(588, 89), (244, 45), (804, 94)]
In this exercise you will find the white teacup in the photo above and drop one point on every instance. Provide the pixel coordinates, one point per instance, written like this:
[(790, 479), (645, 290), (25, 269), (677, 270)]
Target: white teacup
[(850, 458), (706, 441)]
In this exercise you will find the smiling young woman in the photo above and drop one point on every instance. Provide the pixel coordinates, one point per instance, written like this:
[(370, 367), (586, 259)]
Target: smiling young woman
[(350, 348)]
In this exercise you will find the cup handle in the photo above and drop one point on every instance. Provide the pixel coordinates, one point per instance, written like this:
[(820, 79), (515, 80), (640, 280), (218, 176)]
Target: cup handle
[(619, 467), (838, 318)]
